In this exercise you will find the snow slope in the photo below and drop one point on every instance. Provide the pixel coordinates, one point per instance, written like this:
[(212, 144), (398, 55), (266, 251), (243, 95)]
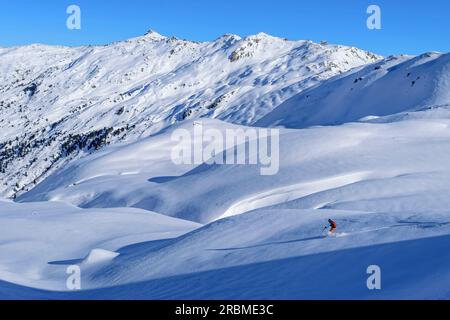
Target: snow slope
[(389, 167), (110, 199), (39, 240), (386, 184), (392, 86), (119, 176), (60, 103)]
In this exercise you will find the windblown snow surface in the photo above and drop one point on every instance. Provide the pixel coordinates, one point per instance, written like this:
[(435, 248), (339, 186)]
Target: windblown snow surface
[(369, 148)]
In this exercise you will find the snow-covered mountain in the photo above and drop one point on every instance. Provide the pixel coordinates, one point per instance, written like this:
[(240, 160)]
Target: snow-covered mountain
[(394, 87), (362, 140), (58, 101)]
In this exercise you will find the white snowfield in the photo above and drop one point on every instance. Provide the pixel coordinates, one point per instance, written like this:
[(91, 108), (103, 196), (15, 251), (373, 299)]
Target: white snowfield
[(141, 227), (356, 166)]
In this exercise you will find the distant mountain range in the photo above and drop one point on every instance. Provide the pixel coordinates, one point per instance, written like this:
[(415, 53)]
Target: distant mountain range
[(59, 103)]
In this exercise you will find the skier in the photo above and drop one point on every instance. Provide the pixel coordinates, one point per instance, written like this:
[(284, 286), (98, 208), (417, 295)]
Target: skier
[(333, 227)]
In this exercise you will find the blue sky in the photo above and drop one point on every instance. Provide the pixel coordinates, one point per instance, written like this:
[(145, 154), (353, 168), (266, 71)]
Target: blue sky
[(407, 26)]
